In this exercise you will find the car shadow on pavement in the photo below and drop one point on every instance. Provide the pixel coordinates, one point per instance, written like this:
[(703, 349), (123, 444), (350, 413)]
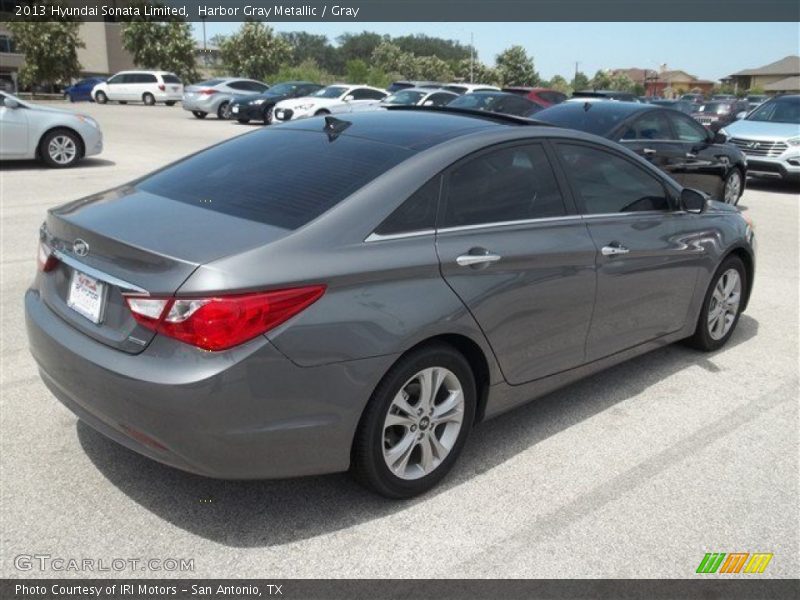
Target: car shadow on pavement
[(35, 165), (267, 513)]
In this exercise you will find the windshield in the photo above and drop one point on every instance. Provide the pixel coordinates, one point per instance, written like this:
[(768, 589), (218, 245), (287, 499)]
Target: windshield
[(333, 91), (405, 98), (282, 89), (780, 110), (456, 89)]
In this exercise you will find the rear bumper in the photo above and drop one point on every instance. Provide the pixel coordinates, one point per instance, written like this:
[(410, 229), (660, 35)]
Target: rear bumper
[(169, 96), (206, 104), (247, 413)]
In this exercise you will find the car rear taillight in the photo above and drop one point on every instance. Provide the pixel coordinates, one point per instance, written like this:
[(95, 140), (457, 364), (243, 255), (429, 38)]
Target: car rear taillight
[(162, 87), (221, 322), (208, 92), (45, 259)]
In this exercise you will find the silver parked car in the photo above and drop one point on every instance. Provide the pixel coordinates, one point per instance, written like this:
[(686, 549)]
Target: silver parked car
[(215, 95), (419, 97), (433, 269), (60, 138), (770, 138)]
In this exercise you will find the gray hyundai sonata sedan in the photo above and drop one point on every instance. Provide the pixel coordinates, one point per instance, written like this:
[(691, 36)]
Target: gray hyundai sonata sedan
[(336, 294)]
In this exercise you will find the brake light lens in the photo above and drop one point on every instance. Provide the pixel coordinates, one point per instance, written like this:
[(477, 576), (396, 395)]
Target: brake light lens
[(221, 322), (208, 92), (162, 87), (45, 259)]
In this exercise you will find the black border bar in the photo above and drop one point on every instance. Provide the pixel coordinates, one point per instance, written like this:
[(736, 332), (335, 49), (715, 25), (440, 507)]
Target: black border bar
[(475, 10), (708, 588)]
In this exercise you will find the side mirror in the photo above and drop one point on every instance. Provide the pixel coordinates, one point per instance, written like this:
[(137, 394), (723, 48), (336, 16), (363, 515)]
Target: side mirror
[(427, 103), (10, 103), (719, 138), (349, 98), (741, 115), (692, 201)]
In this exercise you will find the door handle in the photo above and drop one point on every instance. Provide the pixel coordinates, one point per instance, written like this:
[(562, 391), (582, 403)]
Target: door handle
[(471, 260), (613, 249), (649, 152)]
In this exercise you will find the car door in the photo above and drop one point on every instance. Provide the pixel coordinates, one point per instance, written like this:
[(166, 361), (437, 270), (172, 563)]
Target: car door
[(13, 130), (646, 271), (365, 99), (512, 247), (705, 164), (649, 135), (117, 86)]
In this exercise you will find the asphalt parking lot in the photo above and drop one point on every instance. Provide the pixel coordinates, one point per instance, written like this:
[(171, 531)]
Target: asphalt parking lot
[(636, 472)]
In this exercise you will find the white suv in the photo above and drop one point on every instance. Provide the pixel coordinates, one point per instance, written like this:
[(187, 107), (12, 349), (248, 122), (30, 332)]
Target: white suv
[(140, 86)]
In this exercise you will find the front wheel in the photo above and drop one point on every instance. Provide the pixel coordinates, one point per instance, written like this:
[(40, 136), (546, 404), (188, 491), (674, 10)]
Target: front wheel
[(224, 111), (149, 99), (733, 187), (100, 98), (60, 149), (416, 423), (721, 307)]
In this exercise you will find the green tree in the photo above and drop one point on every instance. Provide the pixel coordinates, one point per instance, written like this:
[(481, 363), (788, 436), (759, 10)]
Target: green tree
[(308, 46), (560, 84), (307, 70), (580, 81), (481, 73), (359, 45), (432, 68), (516, 67), (167, 45), (357, 71), (601, 80), (423, 45), (50, 48), (254, 51)]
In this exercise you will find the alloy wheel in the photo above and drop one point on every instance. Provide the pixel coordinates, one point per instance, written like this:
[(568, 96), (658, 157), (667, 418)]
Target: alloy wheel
[(423, 423), (724, 305), (733, 187), (62, 149)]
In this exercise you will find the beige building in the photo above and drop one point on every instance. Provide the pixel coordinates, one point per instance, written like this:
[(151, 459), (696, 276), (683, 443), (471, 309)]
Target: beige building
[(103, 54), (779, 77)]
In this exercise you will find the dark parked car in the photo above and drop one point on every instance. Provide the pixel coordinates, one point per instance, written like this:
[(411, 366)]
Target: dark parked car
[(498, 102), (668, 139), (259, 107), (357, 291), (542, 96), (756, 100), (681, 105), (607, 95), (82, 90), (715, 115)]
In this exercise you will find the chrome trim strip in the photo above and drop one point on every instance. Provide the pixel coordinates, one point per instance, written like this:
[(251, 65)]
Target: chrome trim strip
[(376, 237), (510, 223), (97, 274)]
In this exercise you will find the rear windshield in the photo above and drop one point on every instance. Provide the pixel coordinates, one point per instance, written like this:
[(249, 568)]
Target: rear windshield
[(170, 79), (280, 177), (208, 83)]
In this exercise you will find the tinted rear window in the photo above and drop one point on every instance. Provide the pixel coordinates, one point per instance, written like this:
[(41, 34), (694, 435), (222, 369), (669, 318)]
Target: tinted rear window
[(283, 178), (573, 115), (170, 79)]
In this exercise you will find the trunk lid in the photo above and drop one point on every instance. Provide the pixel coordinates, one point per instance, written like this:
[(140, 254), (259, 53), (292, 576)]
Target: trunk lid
[(128, 240)]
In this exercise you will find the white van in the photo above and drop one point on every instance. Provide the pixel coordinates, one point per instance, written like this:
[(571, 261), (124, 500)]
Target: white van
[(140, 86)]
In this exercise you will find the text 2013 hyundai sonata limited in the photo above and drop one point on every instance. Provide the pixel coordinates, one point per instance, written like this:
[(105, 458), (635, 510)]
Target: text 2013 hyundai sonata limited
[(336, 294)]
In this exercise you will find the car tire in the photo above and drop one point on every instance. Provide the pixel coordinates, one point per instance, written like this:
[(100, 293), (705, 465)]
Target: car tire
[(123, 101), (68, 98), (424, 441), (100, 98), (266, 114), (148, 99), (722, 306), (199, 114), (732, 187), (170, 102), (61, 148), (223, 112), (243, 121)]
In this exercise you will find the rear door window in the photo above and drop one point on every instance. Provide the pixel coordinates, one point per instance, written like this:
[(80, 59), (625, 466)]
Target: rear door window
[(509, 184), (266, 177)]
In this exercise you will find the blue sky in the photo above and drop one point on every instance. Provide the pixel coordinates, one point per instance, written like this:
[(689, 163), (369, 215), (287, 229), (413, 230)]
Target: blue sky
[(707, 50)]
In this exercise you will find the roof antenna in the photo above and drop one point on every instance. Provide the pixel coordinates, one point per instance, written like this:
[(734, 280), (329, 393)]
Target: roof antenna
[(333, 127), (586, 106)]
